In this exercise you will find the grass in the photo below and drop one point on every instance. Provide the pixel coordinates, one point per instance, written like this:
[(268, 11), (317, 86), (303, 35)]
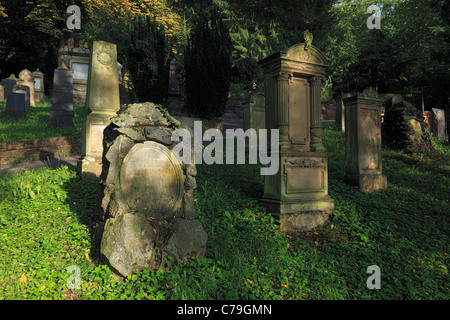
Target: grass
[(36, 125), (47, 223)]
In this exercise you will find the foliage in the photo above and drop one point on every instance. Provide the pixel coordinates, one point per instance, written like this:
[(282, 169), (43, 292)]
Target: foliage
[(48, 222), (207, 66)]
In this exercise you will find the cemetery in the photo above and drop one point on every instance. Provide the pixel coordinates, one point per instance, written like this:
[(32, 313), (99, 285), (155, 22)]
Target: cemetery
[(171, 150)]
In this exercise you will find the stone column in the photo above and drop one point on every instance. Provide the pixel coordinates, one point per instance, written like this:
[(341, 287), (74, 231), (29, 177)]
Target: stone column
[(316, 121), (282, 103)]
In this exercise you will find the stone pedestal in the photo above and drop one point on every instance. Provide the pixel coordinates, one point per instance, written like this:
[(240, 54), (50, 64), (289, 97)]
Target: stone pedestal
[(298, 193), (102, 102), (363, 143)]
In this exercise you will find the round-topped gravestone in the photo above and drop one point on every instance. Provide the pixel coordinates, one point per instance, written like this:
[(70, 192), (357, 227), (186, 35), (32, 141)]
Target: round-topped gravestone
[(152, 180)]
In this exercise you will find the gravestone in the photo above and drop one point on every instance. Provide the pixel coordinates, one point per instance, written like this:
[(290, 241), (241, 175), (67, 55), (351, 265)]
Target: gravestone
[(25, 90), (363, 143), (340, 111), (400, 128), (148, 194), (62, 114), (8, 84), (26, 78), (439, 127), (254, 110), (173, 94), (298, 193), (2, 93), (39, 93), (102, 102), (15, 106)]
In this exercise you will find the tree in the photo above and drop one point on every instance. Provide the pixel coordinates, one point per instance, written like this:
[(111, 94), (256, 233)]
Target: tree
[(207, 63)]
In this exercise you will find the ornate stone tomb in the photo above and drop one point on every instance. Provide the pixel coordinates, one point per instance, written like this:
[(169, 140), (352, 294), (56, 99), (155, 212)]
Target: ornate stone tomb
[(298, 193)]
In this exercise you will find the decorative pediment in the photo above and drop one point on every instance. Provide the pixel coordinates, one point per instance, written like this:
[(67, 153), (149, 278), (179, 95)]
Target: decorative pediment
[(305, 52)]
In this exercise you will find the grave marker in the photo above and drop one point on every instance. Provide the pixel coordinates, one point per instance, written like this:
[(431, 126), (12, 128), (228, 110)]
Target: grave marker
[(8, 84), (25, 90), (102, 102), (15, 106), (26, 78), (298, 193), (363, 143), (61, 114), (39, 93)]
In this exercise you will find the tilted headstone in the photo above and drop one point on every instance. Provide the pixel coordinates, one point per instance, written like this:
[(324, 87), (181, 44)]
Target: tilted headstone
[(298, 192), (26, 78), (39, 92), (8, 84), (103, 102), (148, 194), (15, 106), (440, 125), (25, 90), (363, 143), (62, 114)]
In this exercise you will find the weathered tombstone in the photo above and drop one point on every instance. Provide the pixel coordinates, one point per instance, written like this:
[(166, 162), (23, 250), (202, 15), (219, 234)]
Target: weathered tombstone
[(400, 128), (8, 84), (173, 94), (148, 194), (439, 123), (15, 106), (298, 192), (363, 143), (25, 90), (62, 114), (254, 109), (26, 78), (2, 93), (102, 102), (39, 93)]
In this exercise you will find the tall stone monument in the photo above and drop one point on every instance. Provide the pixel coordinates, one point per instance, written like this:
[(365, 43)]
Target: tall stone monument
[(102, 102), (298, 193), (61, 114), (8, 84), (254, 112), (363, 143)]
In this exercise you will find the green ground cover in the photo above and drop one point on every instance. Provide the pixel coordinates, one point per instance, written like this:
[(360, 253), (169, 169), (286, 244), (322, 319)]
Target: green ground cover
[(36, 125), (47, 223)]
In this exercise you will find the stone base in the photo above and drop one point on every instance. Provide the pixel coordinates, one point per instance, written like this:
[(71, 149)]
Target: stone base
[(89, 168), (368, 182), (300, 215)]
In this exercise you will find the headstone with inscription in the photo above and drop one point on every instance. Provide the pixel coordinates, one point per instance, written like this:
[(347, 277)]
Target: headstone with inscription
[(25, 90), (363, 143), (102, 102), (62, 114), (39, 93), (298, 192), (15, 106)]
